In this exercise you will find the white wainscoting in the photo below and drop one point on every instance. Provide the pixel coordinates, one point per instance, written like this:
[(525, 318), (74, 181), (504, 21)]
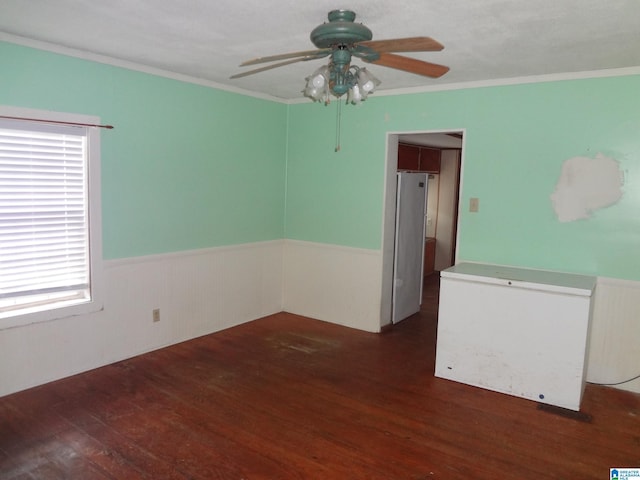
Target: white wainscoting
[(204, 291), (197, 292), (333, 283), (614, 349)]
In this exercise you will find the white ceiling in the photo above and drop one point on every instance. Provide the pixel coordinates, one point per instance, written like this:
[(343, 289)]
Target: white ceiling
[(207, 39)]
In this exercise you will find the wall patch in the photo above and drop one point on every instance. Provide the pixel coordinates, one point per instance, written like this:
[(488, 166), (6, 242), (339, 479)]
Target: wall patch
[(586, 184)]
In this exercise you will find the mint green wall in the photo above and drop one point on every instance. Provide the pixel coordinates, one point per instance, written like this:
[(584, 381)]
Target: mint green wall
[(335, 197), (517, 138), (186, 166), (193, 167)]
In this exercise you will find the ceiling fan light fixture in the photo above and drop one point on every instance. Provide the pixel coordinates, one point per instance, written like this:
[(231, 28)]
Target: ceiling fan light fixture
[(342, 39), (320, 77), (367, 81), (317, 87), (336, 79), (354, 95)]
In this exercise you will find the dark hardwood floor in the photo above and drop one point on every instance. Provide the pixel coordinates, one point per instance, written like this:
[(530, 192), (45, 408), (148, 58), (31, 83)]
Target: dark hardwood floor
[(287, 397)]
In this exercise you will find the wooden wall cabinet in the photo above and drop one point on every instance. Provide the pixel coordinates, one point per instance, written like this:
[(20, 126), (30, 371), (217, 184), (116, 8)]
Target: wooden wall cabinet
[(421, 159), (408, 157), (429, 160)]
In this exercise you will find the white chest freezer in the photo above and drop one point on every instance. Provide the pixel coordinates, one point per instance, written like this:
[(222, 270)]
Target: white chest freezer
[(517, 331)]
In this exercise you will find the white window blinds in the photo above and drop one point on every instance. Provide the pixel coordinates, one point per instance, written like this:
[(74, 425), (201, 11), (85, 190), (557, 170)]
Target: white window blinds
[(44, 231)]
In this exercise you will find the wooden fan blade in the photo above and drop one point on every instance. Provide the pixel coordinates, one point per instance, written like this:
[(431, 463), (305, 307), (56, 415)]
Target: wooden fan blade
[(409, 44), (411, 65), (275, 65), (318, 53)]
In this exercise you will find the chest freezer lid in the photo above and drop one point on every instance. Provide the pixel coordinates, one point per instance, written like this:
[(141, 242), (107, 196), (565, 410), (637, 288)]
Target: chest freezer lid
[(557, 282)]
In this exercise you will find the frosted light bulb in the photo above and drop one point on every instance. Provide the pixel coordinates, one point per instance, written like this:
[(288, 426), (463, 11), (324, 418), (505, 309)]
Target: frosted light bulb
[(368, 86), (354, 95), (367, 81), (318, 81)]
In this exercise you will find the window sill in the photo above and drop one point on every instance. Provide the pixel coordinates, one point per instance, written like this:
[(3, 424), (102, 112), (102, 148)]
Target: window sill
[(72, 308)]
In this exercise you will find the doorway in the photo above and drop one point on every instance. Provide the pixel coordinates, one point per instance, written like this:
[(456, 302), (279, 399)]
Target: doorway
[(442, 222)]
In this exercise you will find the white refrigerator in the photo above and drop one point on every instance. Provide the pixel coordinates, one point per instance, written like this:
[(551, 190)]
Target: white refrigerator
[(411, 204)]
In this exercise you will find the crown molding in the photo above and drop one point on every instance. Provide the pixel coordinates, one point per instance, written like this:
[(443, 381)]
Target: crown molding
[(107, 60)]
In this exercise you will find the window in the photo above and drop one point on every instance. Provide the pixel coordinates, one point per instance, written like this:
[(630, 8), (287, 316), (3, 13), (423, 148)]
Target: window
[(49, 219)]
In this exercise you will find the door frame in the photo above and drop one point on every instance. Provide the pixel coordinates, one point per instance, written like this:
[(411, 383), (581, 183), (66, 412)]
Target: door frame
[(389, 214)]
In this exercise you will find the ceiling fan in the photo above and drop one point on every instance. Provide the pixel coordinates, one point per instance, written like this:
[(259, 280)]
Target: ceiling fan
[(342, 39)]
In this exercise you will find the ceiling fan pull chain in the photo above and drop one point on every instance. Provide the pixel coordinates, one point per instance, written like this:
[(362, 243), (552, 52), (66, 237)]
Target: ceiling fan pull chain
[(338, 126)]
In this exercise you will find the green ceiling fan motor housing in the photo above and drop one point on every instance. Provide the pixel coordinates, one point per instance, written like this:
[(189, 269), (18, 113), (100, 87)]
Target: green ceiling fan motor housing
[(341, 30), (341, 34)]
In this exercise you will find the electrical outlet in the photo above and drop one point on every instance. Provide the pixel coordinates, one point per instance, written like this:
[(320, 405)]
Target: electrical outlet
[(474, 204), (156, 314)]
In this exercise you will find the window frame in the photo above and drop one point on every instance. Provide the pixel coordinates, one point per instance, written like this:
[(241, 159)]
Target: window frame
[(55, 311)]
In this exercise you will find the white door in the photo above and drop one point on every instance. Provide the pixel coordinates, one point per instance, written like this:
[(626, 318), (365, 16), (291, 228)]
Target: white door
[(409, 244)]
